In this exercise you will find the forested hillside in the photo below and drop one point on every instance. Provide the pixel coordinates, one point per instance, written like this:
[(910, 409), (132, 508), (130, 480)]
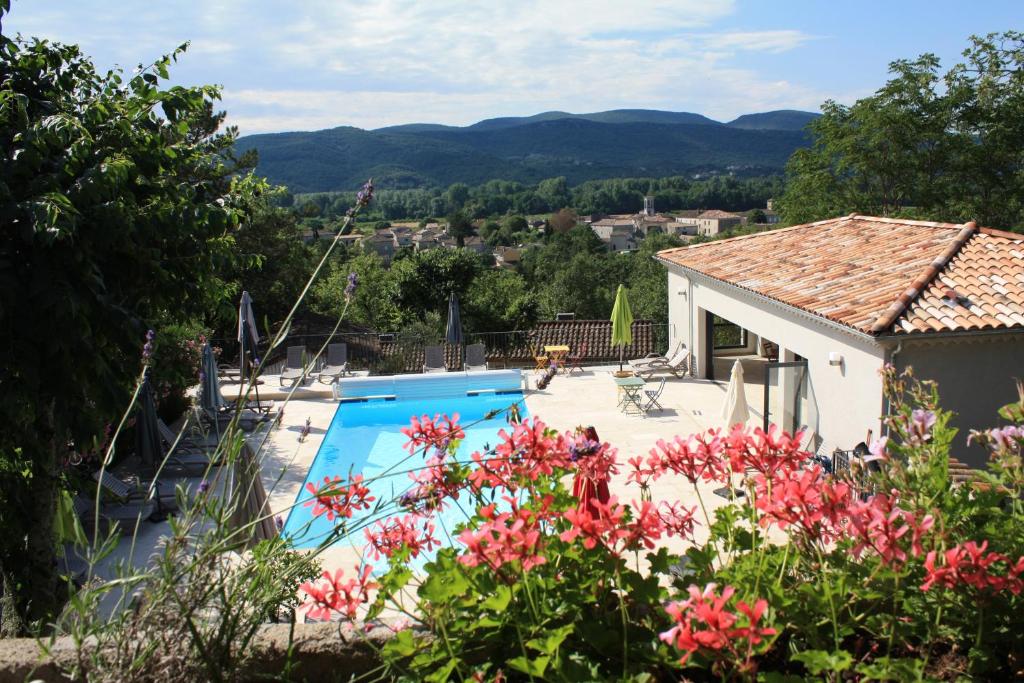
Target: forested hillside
[(579, 147)]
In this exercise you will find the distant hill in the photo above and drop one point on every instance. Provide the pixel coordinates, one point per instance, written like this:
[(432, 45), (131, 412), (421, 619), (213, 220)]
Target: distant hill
[(618, 143), (783, 119)]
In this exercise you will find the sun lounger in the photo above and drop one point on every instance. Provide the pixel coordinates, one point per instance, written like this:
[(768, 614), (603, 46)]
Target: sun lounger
[(678, 365), (295, 368), (337, 364), (476, 358), (118, 513), (434, 359), (638, 363)]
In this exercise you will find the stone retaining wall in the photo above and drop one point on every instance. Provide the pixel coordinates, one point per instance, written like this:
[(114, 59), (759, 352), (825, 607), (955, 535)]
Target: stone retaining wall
[(321, 653)]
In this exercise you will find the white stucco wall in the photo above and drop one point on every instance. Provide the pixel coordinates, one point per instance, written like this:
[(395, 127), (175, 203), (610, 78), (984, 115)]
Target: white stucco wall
[(847, 398)]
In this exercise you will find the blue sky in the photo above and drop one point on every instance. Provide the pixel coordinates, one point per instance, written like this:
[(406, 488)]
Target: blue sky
[(310, 64)]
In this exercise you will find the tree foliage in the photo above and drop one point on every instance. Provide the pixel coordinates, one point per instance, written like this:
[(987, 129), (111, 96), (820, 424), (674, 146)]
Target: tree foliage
[(926, 145), (120, 212)]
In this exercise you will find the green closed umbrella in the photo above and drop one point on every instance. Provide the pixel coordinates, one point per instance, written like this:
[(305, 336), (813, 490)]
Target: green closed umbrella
[(622, 323)]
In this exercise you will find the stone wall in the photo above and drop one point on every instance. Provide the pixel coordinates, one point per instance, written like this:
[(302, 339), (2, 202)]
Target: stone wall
[(321, 653)]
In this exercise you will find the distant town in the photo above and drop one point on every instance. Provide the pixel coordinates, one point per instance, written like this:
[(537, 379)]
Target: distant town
[(620, 233)]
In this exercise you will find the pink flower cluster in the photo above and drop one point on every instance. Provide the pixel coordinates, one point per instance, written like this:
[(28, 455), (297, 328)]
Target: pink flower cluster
[(390, 535), (529, 452), (879, 523), (438, 433), (337, 499), (970, 564), (506, 537), (617, 527), (803, 499), (704, 624), (330, 594)]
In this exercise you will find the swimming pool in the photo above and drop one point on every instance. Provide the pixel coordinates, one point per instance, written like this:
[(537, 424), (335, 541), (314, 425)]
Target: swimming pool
[(365, 438)]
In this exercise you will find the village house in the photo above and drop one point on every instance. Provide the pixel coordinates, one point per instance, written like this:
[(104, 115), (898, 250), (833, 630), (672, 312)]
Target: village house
[(382, 243), (834, 301), (507, 257), (402, 236), (617, 232)]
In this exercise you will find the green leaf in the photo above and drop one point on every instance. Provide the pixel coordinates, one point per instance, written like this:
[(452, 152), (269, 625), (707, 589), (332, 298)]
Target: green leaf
[(403, 644), (550, 643), (820, 661), (531, 667), (499, 601), (440, 587)]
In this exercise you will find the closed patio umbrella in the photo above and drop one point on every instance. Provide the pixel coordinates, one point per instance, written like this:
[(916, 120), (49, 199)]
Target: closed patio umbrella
[(735, 410), (622, 323), (147, 433), (249, 500), (248, 335), (210, 397), (453, 333), (248, 338)]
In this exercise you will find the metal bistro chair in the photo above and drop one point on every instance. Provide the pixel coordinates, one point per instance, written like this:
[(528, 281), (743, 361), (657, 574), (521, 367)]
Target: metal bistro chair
[(653, 395), (574, 361)]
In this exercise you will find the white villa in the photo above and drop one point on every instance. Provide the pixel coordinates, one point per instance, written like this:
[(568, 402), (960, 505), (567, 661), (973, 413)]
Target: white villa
[(836, 300)]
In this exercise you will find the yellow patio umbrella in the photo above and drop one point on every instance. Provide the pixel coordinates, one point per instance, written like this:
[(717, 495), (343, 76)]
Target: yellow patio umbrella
[(622, 323)]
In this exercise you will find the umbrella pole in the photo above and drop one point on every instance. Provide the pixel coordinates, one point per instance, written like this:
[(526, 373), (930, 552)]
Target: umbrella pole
[(622, 352)]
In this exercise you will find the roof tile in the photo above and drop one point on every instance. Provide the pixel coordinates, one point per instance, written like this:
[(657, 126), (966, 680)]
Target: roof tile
[(877, 275)]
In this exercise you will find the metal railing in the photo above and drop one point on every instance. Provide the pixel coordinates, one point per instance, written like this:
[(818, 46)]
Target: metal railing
[(392, 353)]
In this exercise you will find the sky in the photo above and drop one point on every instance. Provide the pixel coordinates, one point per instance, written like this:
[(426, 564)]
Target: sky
[(313, 64)]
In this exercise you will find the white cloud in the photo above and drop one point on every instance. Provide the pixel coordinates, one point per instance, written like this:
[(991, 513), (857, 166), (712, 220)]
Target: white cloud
[(322, 63)]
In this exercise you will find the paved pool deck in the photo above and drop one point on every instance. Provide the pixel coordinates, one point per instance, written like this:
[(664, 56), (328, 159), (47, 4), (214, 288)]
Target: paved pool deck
[(591, 398)]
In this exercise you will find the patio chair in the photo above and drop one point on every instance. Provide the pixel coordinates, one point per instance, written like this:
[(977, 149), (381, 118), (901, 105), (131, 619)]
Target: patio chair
[(653, 395), (678, 365), (770, 350), (574, 361), (476, 357), (111, 514), (434, 359), (337, 364), (294, 369), (639, 363), (540, 359)]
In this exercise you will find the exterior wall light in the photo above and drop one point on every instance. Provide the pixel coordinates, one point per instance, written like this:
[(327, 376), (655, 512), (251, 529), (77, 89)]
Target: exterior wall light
[(835, 358)]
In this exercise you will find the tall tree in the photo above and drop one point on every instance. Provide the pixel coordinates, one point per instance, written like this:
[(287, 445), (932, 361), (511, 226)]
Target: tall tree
[(118, 207), (942, 147)]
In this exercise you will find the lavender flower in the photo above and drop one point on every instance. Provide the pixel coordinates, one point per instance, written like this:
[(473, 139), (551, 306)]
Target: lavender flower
[(305, 429), (279, 523), (204, 486), (350, 288), (363, 197), (147, 348), (583, 448)]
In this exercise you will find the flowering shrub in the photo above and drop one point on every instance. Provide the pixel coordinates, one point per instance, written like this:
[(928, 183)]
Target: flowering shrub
[(174, 354), (896, 574)]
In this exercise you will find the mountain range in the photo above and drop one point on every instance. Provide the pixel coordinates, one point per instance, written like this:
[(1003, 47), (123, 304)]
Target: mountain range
[(617, 143)]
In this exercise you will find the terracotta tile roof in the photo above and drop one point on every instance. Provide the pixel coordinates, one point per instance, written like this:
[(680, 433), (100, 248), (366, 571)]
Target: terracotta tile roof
[(877, 275)]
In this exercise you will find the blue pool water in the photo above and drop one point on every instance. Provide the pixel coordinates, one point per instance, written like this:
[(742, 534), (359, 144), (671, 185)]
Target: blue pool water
[(365, 438)]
